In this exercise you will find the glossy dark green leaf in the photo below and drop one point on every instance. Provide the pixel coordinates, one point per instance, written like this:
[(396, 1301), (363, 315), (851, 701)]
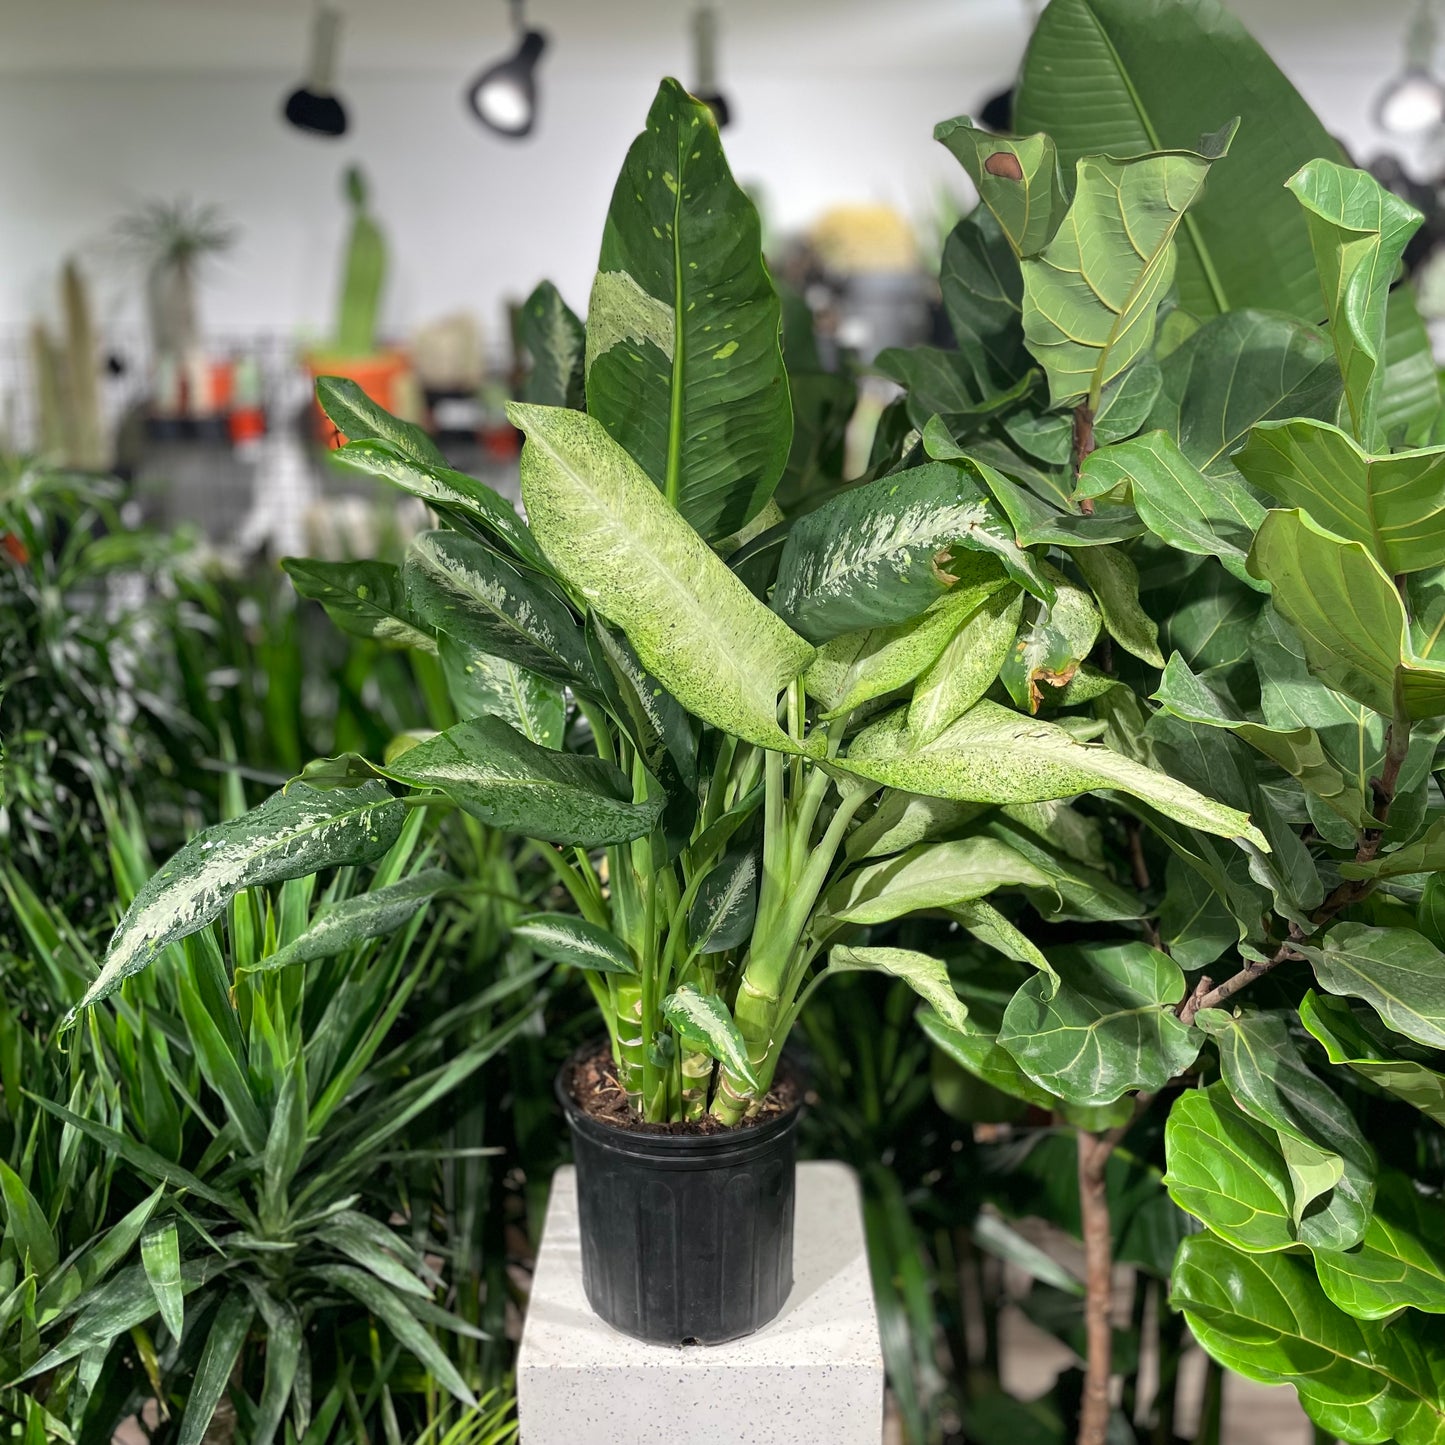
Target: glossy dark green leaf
[(974, 1046), (1397, 971), (1356, 1038), (1077, 890), (473, 594), (684, 365), (1210, 516), (1357, 231), (1226, 1170), (358, 418), (879, 554), (940, 382), (1244, 242), (299, 831), (993, 755), (983, 294), (223, 1348), (1108, 1029), (1089, 308), (565, 939), (1114, 581), (1331, 1167), (1194, 921), (1236, 371), (160, 1253), (721, 916), (492, 772), (1266, 1317), (363, 598), (26, 1228), (554, 339), (694, 625)]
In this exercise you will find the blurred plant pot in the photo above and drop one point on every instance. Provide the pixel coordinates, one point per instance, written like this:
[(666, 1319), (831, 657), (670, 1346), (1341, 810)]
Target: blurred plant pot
[(687, 1238), (382, 376)]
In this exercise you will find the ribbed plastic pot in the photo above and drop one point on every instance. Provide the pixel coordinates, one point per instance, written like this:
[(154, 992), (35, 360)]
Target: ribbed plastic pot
[(687, 1239)]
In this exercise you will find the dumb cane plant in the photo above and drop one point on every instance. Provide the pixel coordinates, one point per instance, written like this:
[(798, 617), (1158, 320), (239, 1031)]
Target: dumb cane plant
[(731, 791)]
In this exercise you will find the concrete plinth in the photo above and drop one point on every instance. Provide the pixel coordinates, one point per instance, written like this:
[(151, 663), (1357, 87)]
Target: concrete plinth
[(814, 1376)]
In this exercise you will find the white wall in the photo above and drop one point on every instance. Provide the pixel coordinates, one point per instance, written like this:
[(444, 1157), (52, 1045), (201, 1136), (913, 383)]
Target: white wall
[(103, 103)]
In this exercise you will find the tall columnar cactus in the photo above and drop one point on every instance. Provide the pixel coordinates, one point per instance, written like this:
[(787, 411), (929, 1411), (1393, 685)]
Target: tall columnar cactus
[(69, 425), (365, 274)]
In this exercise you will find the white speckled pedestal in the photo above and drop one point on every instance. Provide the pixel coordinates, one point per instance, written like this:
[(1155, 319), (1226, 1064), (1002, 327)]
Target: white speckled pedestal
[(814, 1376)]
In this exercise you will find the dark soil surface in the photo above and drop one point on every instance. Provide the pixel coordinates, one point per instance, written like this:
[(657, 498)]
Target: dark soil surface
[(592, 1083)]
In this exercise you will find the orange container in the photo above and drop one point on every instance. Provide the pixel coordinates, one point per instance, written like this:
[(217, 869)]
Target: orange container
[(382, 377)]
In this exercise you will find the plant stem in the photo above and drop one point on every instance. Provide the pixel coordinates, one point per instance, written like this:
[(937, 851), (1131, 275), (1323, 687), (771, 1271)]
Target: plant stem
[(1083, 445), (1094, 1151)]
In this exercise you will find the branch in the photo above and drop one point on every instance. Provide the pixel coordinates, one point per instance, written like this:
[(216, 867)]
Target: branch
[(1083, 444)]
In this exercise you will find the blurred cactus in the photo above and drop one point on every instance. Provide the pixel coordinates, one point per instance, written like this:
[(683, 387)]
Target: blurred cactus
[(365, 274), (70, 429)]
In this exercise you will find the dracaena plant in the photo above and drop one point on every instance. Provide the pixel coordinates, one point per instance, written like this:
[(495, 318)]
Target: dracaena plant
[(1223, 433), (730, 738)]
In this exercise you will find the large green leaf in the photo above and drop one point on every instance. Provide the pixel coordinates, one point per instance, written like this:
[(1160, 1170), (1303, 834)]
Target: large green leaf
[(1426, 854), (1400, 1261), (1091, 295), (463, 588), (488, 769), (553, 337), (358, 418), (1410, 392), (1298, 751), (1114, 581), (1391, 504), (565, 939), (1236, 371), (696, 628), (293, 833), (1195, 923), (684, 362), (1109, 1028), (1357, 231), (924, 974), (1210, 516), (1357, 1039), (930, 875), (1016, 178), (1266, 1317), (1226, 1170), (974, 1046), (880, 554), (983, 297), (966, 668), (372, 914), (1332, 1168), (1397, 971), (363, 598), (1348, 615), (993, 755), (1159, 74)]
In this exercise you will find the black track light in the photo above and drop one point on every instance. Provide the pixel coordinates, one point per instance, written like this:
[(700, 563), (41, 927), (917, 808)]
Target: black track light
[(504, 96)]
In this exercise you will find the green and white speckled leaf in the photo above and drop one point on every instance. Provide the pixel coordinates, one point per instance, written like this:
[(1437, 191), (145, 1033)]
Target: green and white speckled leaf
[(994, 755), (925, 975), (859, 666), (553, 337), (1331, 1167), (684, 354), (880, 554), (1358, 231), (612, 535), (483, 685), (565, 939), (465, 589), (358, 418), (367, 915), (966, 668), (1266, 1317), (365, 599), (1390, 504), (1108, 1028), (1090, 296), (464, 500), (930, 875), (492, 772), (705, 1026), (721, 916), (1017, 178), (291, 834)]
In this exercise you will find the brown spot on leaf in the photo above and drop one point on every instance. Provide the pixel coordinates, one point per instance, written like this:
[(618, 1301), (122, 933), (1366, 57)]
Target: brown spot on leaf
[(1053, 677), (940, 565), (1005, 165)]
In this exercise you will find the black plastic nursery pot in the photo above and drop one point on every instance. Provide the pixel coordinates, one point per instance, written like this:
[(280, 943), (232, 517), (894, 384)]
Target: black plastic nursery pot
[(687, 1239)]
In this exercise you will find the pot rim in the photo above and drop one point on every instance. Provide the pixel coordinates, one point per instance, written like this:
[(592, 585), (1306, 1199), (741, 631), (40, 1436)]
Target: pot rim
[(733, 1140)]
